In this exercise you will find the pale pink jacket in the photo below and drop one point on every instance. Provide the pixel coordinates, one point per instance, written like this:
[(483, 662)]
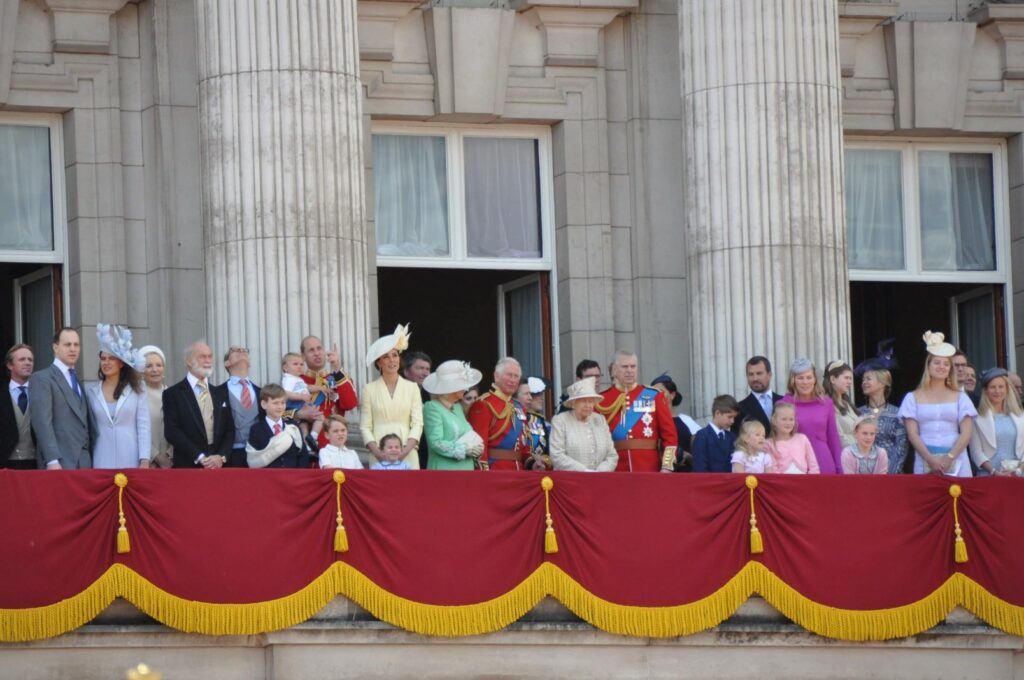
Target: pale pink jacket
[(796, 450)]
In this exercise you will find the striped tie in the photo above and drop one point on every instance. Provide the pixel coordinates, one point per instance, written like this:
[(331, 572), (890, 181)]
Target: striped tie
[(246, 397), (206, 408)]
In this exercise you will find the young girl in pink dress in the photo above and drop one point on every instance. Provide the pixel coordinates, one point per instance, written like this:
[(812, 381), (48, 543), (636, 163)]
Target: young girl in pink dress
[(791, 451), (749, 456)]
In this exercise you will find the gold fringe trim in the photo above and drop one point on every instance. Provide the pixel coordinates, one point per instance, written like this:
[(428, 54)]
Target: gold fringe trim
[(17, 625)]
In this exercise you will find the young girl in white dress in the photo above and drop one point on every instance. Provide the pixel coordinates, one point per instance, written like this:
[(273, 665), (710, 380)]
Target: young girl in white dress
[(749, 455)]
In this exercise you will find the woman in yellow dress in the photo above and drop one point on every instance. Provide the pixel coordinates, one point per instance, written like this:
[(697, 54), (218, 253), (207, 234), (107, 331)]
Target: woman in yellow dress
[(391, 404)]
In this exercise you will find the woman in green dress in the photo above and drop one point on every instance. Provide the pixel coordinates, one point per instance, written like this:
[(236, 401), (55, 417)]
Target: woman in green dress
[(452, 443)]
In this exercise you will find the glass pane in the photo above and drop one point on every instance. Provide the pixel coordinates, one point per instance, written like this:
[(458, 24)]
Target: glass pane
[(37, 318), (976, 324), (410, 195), (957, 218), (502, 197), (874, 209), (26, 210), (525, 335)]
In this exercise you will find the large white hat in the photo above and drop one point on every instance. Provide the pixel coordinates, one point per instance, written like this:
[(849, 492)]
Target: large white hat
[(452, 376), (936, 345), (117, 340), (398, 340), (582, 389)]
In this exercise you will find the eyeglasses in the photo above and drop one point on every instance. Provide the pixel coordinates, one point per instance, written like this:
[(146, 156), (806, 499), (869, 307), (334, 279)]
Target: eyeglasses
[(239, 350)]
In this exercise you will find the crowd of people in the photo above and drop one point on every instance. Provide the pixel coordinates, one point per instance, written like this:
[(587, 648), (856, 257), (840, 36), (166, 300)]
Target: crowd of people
[(955, 423)]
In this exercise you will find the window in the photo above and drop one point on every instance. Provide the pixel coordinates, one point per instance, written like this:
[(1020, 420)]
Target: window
[(31, 189), (470, 197), (925, 211)]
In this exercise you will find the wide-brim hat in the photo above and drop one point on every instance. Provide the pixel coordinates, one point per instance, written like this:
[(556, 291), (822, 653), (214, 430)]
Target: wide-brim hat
[(452, 376), (398, 340), (582, 389), (117, 340), (936, 345)]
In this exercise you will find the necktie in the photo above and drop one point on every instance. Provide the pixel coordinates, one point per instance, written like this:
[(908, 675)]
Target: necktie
[(721, 436), (277, 428), (75, 387), (246, 397), (206, 408), (23, 398), (766, 404)]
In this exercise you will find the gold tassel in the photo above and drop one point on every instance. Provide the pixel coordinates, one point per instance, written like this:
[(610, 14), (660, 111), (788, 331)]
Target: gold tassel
[(123, 544), (340, 535), (756, 542), (550, 540), (959, 546)]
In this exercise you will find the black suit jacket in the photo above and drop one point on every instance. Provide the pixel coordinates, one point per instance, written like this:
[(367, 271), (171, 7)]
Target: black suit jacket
[(8, 427), (751, 408), (184, 428), (294, 457)]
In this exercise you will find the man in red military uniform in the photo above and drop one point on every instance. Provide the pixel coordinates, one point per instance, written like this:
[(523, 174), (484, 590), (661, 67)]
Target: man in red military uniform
[(340, 394), (500, 420), (639, 418)]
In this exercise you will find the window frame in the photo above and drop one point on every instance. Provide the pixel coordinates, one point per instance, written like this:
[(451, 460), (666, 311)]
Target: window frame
[(913, 270), (57, 255), (458, 243)]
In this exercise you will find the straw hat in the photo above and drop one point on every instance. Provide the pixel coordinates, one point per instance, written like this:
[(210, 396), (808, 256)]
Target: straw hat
[(582, 389), (452, 376), (398, 340), (936, 345)]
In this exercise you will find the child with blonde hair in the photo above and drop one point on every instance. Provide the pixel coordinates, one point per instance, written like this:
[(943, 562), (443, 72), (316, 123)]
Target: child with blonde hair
[(791, 451), (865, 457), (749, 455)]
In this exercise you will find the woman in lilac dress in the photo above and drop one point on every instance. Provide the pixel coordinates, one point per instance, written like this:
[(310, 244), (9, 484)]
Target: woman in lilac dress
[(815, 416), (939, 417)]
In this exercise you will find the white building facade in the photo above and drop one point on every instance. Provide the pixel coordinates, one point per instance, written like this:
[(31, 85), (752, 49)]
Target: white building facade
[(699, 181)]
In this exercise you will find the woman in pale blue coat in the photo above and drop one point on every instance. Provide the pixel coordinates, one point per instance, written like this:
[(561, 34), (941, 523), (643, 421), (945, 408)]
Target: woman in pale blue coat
[(118, 407)]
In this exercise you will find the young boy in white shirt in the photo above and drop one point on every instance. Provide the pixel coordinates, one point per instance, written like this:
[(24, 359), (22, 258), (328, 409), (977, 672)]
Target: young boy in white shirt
[(335, 454)]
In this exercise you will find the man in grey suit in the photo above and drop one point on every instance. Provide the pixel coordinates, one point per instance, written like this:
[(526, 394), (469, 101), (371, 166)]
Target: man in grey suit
[(60, 415)]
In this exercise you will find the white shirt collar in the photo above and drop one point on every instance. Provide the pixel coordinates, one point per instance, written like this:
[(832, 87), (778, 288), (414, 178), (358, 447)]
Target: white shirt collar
[(193, 380), (761, 395), (15, 387), (717, 429), (272, 423)]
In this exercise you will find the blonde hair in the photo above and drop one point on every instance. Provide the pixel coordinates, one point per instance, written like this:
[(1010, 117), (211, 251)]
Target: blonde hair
[(784, 405), (926, 380), (746, 428), (864, 420), (791, 383), (883, 376), (1012, 404), (291, 355), (335, 419), (843, 402)]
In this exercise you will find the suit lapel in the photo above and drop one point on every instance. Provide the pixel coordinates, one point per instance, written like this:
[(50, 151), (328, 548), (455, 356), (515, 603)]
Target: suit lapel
[(76, 403), (192, 404)]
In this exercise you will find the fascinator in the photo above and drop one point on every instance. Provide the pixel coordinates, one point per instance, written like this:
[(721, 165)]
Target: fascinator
[(117, 340), (885, 359)]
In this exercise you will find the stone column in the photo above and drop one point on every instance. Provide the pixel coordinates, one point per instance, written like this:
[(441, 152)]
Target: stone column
[(282, 178), (763, 188)]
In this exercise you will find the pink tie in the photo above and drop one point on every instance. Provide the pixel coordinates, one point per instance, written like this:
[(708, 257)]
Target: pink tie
[(246, 397), (277, 428)]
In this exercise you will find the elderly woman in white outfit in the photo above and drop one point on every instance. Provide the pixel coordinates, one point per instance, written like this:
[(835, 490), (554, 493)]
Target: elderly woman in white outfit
[(580, 439)]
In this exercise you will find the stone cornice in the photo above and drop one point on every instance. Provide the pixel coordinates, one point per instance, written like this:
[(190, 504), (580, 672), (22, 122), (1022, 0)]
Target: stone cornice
[(377, 19), (1005, 24), (857, 19), (83, 25)]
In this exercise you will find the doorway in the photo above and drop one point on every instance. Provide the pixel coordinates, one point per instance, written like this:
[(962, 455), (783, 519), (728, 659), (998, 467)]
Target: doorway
[(972, 317), (475, 315), (31, 307)]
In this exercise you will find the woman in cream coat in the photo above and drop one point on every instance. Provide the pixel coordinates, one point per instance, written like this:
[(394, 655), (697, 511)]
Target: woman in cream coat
[(391, 404), (999, 428), (580, 439)]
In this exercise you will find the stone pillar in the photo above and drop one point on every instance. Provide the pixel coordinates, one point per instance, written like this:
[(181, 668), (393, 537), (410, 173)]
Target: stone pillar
[(763, 188), (282, 178)]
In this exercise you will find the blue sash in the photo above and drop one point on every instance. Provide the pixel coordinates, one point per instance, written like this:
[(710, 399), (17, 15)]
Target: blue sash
[(511, 437), (633, 416)]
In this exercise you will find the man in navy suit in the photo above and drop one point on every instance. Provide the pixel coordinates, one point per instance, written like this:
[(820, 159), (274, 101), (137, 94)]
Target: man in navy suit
[(760, 403), (197, 418), (713, 445)]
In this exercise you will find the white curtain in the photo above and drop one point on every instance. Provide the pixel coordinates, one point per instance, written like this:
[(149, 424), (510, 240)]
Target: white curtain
[(26, 211), (874, 209), (525, 334), (502, 197), (957, 221), (411, 195)]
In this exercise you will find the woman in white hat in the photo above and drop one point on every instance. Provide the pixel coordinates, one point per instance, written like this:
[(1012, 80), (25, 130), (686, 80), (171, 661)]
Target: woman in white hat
[(160, 451), (580, 439), (453, 444), (391, 404), (939, 417), (118, 406)]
